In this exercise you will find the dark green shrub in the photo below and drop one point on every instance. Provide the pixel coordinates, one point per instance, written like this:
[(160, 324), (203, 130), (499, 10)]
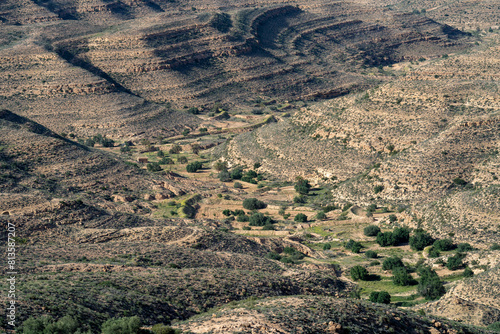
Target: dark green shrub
[(321, 215), (89, 142), (182, 160), (382, 297), (253, 204), (459, 181), (378, 189), (371, 254), (224, 176), (194, 167), (251, 174), (300, 217), (237, 173), (393, 218), (455, 262), (443, 245), (495, 246), (302, 186), (154, 167), (400, 235), (176, 149), (464, 247), (392, 262), (163, 329), (227, 212), (434, 253), (359, 273), (238, 185), (421, 240), (130, 325), (193, 110), (259, 219), (242, 218), (468, 272), (300, 199), (166, 161), (273, 256), (430, 286), (401, 277), (47, 325), (268, 227), (371, 230), (327, 246), (384, 239), (353, 246)]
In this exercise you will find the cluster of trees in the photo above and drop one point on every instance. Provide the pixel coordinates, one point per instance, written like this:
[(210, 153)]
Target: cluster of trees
[(236, 173), (253, 204), (353, 246), (99, 139), (397, 237), (68, 325), (382, 297), (290, 255)]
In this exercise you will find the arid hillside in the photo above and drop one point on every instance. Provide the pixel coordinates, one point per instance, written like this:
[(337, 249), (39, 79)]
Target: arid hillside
[(117, 68), (251, 166)]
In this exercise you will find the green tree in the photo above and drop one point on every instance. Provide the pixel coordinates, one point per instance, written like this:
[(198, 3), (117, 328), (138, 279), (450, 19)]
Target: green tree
[(259, 219), (253, 204), (237, 173), (321, 215), (194, 167), (359, 273), (302, 186), (391, 263), (182, 160), (430, 286), (131, 325), (393, 218), (421, 240), (163, 329), (455, 262), (47, 325), (371, 230), (400, 235), (224, 176), (353, 246), (464, 247), (384, 239), (176, 149), (468, 272), (444, 245), (220, 166), (300, 217), (166, 161), (371, 254), (154, 167), (434, 253), (401, 277), (382, 297)]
